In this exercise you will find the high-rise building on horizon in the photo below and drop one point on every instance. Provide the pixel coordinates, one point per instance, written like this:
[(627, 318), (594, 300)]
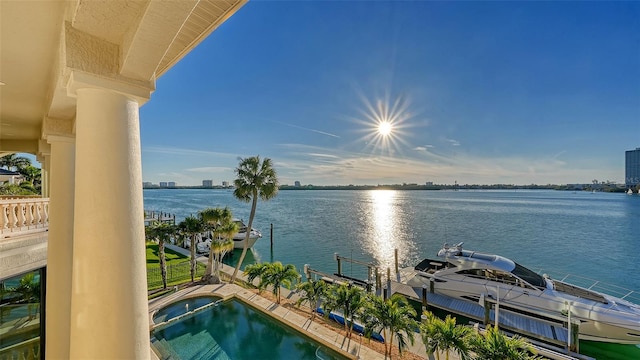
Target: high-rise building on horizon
[(207, 183), (296, 183), (632, 168)]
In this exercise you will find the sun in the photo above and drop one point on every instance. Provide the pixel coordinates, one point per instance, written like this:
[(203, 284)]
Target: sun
[(384, 128), (384, 123)]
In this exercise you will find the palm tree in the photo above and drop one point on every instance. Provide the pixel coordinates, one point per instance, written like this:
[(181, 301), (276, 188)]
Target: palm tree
[(161, 231), (274, 274), (12, 162), (214, 219), (394, 317), (256, 271), (255, 179), (219, 247), (278, 275), (350, 300), (444, 335), (192, 226), (312, 292), (495, 345), (31, 174)]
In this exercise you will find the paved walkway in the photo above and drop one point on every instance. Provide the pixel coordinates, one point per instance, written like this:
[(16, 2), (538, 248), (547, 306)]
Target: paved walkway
[(320, 333)]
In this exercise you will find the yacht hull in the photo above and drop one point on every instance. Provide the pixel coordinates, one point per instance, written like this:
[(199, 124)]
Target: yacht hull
[(468, 276)]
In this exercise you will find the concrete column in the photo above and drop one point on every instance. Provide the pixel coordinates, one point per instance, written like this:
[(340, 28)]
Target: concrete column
[(44, 176), (60, 245), (109, 307)]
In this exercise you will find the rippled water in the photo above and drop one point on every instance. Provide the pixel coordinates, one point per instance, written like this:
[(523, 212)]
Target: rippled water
[(596, 235)]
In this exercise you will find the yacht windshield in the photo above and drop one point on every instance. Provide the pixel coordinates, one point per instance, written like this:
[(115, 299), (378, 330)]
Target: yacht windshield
[(529, 276)]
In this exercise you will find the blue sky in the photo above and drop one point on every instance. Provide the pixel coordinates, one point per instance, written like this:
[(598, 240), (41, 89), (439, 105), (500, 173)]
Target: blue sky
[(476, 92)]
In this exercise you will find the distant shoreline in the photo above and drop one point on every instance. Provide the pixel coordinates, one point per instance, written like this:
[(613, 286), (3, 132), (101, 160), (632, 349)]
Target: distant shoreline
[(586, 187)]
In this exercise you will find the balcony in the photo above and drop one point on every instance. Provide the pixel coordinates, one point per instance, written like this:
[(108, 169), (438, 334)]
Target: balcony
[(23, 215), (24, 223)]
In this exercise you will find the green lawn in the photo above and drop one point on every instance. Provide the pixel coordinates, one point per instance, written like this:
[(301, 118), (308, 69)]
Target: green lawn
[(178, 268)]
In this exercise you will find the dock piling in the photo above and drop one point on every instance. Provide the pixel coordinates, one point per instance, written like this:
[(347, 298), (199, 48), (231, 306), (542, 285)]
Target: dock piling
[(389, 282), (424, 297), (396, 258)]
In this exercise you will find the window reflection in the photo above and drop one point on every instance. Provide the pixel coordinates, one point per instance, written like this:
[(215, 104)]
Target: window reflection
[(20, 306)]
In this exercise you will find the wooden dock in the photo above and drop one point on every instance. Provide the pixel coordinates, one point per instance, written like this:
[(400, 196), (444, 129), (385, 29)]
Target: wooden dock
[(545, 332), (151, 216), (550, 338)]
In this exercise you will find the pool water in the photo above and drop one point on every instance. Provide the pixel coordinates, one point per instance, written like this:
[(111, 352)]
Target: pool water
[(234, 331)]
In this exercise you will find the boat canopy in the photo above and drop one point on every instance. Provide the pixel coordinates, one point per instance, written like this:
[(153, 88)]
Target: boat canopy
[(474, 260)]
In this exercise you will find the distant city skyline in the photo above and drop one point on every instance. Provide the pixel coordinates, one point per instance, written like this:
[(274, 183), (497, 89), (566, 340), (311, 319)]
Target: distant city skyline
[(475, 92)]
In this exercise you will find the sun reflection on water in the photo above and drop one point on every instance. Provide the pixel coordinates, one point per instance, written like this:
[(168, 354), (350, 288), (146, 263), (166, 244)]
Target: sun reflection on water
[(384, 228)]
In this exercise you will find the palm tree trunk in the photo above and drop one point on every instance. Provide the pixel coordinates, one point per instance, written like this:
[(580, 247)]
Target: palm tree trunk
[(390, 342), (193, 257), (254, 203), (163, 263), (209, 271)]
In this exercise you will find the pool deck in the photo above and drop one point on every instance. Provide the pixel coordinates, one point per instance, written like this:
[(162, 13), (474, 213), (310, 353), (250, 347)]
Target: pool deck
[(357, 348)]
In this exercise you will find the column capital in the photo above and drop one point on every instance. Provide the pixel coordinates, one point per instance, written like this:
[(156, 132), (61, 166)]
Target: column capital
[(137, 90), (54, 126)]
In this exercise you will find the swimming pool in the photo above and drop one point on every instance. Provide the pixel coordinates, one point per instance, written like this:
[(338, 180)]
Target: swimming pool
[(235, 331)]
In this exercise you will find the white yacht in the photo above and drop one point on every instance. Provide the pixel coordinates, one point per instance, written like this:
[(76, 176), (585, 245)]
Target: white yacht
[(240, 237), (469, 275), (203, 240)]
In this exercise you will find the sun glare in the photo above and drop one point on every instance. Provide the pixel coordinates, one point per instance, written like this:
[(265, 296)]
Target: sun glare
[(385, 123), (384, 128)]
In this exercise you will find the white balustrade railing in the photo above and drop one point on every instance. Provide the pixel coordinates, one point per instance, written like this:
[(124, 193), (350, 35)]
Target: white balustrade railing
[(21, 215)]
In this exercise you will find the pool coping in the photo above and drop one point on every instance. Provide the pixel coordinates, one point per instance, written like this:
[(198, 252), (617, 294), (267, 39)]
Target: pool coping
[(289, 318)]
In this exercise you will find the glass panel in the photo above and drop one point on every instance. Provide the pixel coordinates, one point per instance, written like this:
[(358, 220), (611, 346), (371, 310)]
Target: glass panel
[(20, 316)]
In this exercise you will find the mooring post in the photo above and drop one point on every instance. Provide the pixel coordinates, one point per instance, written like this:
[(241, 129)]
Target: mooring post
[(271, 236), (487, 312), (306, 271), (337, 257), (424, 297), (396, 256), (575, 343), (389, 282), (573, 329)]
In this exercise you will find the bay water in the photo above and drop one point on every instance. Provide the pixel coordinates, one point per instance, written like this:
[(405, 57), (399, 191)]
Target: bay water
[(592, 235)]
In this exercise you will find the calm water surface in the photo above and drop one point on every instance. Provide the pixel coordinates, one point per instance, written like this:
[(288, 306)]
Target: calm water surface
[(595, 235)]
